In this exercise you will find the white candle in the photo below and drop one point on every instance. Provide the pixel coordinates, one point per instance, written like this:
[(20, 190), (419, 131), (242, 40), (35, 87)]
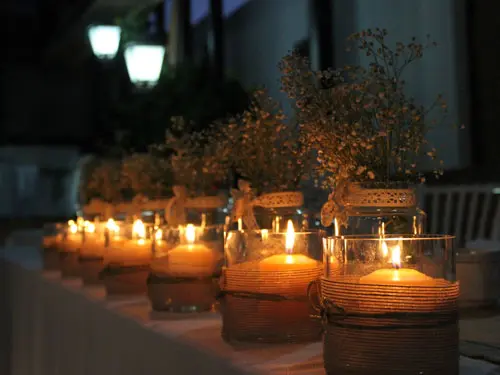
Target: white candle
[(72, 241), (136, 250), (187, 260), (288, 261), (397, 275)]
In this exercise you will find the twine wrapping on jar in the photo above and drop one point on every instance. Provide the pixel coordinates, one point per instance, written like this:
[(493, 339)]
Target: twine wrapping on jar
[(387, 329), (245, 201), (268, 306)]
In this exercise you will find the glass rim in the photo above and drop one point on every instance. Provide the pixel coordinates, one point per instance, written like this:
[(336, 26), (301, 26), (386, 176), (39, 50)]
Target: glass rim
[(393, 237), (270, 231)]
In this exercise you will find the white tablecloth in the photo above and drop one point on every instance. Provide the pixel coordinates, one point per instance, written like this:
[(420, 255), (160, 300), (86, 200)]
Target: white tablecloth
[(57, 327)]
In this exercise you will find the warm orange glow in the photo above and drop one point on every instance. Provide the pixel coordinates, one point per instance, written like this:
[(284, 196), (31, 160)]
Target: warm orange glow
[(277, 224), (112, 226), (265, 234), (79, 221), (290, 236), (139, 229), (89, 226), (385, 249), (158, 235), (336, 227), (396, 256), (190, 233), (240, 224), (73, 228)]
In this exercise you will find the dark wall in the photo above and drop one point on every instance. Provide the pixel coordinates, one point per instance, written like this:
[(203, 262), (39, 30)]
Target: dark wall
[(40, 105), (484, 56)]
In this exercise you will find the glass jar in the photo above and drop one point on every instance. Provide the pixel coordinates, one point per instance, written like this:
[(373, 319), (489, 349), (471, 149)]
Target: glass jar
[(272, 211), (265, 285), (378, 208), (187, 262), (396, 296)]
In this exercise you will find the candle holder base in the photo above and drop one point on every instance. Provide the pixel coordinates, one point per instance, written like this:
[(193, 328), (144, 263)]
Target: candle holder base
[(69, 265), (181, 295), (274, 322), (90, 267), (51, 260), (268, 306), (122, 279), (388, 329)]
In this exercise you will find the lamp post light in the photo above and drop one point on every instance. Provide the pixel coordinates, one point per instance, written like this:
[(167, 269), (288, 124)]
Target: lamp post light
[(144, 63), (104, 40)]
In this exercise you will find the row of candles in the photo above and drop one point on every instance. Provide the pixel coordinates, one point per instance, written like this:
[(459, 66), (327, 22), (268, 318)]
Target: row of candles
[(184, 256), (266, 279)]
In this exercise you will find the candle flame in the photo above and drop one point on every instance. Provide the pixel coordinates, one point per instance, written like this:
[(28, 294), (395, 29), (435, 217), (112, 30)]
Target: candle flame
[(277, 224), (88, 226), (190, 233), (290, 236), (265, 234), (79, 221), (396, 256), (240, 224), (289, 259), (385, 249), (138, 229), (336, 227), (73, 228), (112, 226), (158, 235)]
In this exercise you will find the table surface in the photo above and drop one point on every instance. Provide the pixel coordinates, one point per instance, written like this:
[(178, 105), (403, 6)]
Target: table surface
[(202, 331)]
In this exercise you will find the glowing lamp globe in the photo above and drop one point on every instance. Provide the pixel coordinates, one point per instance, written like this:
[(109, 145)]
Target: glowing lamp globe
[(144, 63), (104, 40)]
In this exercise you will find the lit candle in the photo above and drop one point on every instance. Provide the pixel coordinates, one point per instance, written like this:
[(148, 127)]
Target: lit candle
[(240, 224), (336, 227), (277, 224), (187, 260), (288, 261), (113, 228), (264, 234), (396, 275), (72, 241), (136, 250)]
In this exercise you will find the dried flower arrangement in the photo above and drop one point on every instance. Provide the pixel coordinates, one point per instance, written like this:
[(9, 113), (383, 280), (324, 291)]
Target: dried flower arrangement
[(359, 120), (194, 158), (263, 148), (147, 174), (103, 180)]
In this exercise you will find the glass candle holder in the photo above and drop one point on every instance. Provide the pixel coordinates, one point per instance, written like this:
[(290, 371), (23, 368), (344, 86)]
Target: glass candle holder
[(126, 259), (72, 237), (187, 261), (388, 208), (130, 245), (70, 246), (265, 285), (390, 303)]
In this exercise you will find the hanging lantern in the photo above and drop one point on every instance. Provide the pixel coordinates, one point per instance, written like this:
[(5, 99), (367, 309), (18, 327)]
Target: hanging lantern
[(144, 63), (104, 40)]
